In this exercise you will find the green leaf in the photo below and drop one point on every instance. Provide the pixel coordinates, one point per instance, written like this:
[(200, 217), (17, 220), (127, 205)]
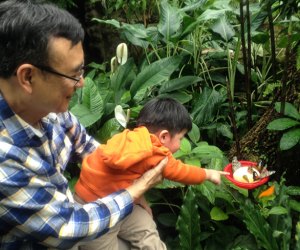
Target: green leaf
[(225, 130), (119, 79), (260, 37), (167, 219), (194, 134), (295, 205), (180, 96), (193, 5), (290, 139), (169, 21), (211, 14), (188, 223), (178, 83), (207, 189), (112, 22), (135, 33), (282, 124), (297, 235), (84, 114), (289, 110), (167, 184), (278, 210), (206, 106), (223, 28), (208, 151), (91, 109), (258, 226), (109, 128), (189, 24), (293, 190), (185, 146), (155, 73), (217, 163), (217, 214)]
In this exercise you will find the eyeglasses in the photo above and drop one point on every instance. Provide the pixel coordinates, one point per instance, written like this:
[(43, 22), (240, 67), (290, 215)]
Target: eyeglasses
[(52, 71)]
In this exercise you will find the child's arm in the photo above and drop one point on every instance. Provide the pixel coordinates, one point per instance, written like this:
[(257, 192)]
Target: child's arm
[(214, 175)]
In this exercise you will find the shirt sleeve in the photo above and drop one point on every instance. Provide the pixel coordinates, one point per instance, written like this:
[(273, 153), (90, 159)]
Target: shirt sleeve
[(33, 207), (178, 171), (82, 142)]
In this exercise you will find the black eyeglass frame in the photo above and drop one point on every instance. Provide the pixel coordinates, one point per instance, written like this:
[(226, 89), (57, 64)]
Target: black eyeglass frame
[(52, 71)]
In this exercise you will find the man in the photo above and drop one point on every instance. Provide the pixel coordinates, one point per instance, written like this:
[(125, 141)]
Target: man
[(41, 66)]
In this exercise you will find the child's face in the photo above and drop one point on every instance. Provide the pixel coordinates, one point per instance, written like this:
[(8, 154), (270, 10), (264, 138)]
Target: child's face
[(173, 142)]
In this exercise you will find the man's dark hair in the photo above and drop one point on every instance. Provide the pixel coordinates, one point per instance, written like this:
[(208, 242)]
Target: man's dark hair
[(26, 29), (164, 113)]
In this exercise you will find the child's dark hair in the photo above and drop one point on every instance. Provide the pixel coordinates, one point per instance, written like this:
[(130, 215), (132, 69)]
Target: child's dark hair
[(164, 113)]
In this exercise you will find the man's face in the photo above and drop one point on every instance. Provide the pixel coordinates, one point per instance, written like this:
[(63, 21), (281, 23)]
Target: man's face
[(53, 92)]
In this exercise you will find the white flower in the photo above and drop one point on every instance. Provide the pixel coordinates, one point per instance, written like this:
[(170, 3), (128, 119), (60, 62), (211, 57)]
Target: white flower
[(122, 53)]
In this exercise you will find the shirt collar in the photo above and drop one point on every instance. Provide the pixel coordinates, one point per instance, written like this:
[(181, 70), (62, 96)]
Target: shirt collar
[(17, 127)]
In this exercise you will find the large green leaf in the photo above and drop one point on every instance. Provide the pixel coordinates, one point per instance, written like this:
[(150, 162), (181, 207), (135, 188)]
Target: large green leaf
[(293, 190), (179, 83), (188, 224), (206, 106), (225, 130), (289, 110), (194, 134), (282, 124), (211, 14), (189, 24), (180, 96), (208, 189), (208, 151), (91, 109), (223, 28), (155, 73), (167, 219), (135, 33), (193, 5), (295, 205), (278, 210), (169, 21), (290, 139), (120, 78), (109, 128), (258, 226)]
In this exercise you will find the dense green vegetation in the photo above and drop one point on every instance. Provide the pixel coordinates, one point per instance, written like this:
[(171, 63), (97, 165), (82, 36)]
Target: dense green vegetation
[(238, 75)]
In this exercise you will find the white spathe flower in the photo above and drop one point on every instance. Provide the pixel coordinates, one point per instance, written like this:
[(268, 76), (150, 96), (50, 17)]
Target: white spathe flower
[(122, 53), (113, 64), (121, 116)]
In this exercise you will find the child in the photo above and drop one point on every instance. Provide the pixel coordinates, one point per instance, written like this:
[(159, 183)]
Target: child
[(161, 125)]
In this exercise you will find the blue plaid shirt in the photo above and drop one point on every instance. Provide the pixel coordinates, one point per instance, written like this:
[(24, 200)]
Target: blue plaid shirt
[(36, 206)]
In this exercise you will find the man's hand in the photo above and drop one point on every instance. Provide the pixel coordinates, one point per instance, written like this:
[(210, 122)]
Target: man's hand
[(147, 180)]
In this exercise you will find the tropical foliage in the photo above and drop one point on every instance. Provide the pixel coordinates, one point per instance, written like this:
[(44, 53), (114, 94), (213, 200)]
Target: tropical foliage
[(227, 61)]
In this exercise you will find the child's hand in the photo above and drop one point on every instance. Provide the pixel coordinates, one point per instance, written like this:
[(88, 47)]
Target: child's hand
[(214, 175)]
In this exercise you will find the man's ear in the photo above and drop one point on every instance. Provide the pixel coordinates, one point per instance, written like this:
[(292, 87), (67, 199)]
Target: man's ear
[(25, 74), (164, 136)]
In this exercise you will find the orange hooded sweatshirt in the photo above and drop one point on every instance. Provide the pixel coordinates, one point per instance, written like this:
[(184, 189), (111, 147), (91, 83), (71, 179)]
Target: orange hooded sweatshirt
[(125, 157)]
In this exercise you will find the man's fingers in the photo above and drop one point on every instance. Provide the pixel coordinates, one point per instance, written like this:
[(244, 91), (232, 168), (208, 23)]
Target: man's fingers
[(161, 165)]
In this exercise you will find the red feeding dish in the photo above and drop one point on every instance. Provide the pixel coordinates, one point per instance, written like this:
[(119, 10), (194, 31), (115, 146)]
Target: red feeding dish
[(252, 185)]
